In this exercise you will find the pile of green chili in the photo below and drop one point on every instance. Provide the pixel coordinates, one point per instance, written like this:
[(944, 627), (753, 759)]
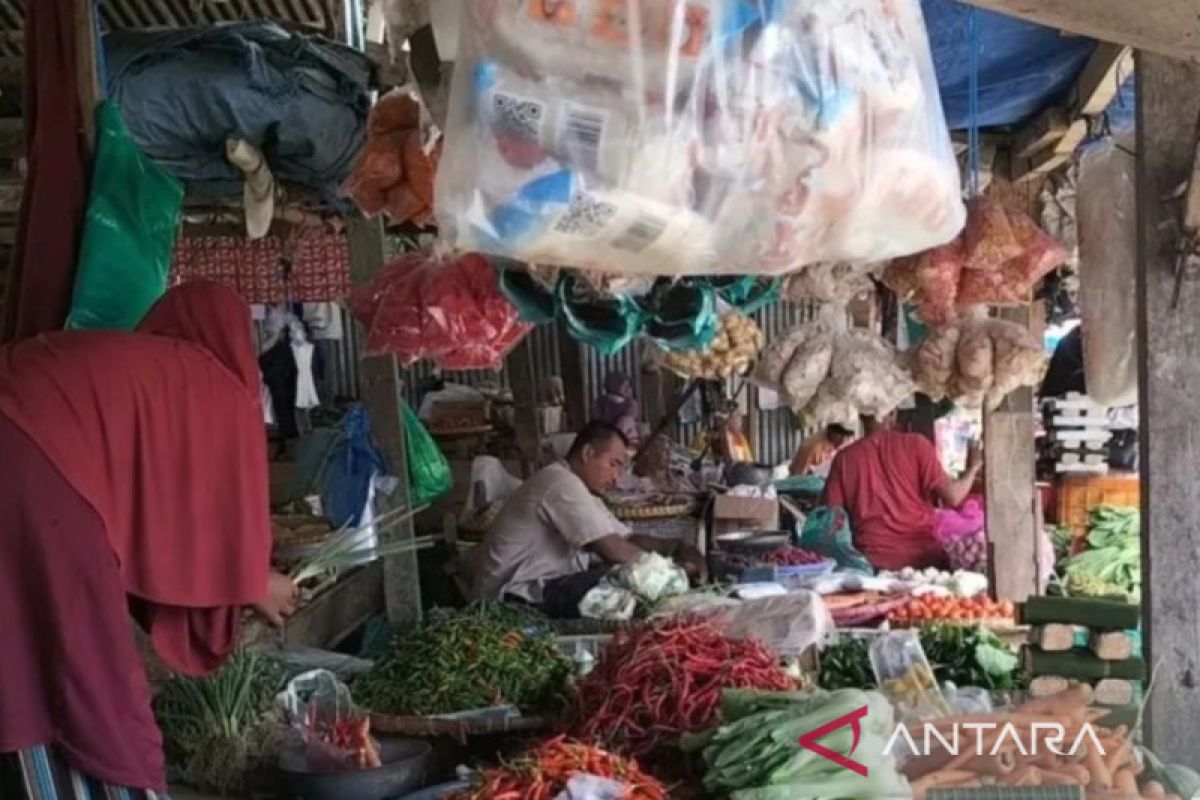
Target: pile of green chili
[(486, 655)]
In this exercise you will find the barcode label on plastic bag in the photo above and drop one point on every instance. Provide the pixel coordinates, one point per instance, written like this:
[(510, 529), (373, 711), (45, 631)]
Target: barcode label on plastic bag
[(644, 232), (580, 134), (586, 216), (518, 117)]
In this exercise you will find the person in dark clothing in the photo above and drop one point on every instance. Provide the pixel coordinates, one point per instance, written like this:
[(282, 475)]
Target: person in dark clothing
[(1065, 373)]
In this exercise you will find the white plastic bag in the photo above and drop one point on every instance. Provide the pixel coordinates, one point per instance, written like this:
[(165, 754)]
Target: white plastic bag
[(1107, 207), (667, 137)]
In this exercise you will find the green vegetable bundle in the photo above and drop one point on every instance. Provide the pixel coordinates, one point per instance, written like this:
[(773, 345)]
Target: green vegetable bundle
[(222, 730), (964, 656), (487, 655), (756, 754), (1111, 564)]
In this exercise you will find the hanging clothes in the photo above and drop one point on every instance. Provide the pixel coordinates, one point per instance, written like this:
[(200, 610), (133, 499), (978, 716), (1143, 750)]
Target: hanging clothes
[(97, 520), (302, 353), (42, 271), (280, 374)]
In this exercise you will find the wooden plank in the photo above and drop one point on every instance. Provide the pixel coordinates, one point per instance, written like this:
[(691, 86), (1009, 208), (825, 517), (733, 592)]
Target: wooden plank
[(1101, 79), (521, 378), (338, 612), (1041, 134), (1013, 523), (1167, 27), (381, 394), (1044, 163), (87, 74), (570, 361), (1168, 383)]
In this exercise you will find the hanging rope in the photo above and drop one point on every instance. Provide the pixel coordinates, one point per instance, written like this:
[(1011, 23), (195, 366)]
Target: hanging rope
[(973, 103)]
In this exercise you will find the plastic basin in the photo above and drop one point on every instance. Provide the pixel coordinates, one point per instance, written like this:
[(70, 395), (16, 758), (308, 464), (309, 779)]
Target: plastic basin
[(404, 766)]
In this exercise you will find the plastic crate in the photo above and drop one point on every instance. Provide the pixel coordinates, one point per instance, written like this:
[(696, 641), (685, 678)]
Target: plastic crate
[(1079, 494)]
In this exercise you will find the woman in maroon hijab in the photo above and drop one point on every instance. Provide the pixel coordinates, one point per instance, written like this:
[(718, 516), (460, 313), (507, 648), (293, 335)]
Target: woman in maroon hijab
[(135, 481)]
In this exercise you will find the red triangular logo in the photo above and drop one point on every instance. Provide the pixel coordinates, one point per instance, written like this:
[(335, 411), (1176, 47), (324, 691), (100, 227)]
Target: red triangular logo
[(809, 740)]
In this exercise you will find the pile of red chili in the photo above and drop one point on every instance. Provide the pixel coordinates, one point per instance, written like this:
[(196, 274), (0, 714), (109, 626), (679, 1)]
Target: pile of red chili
[(654, 683), (545, 772)]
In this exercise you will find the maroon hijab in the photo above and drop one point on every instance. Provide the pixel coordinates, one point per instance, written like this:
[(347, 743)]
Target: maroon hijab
[(161, 432)]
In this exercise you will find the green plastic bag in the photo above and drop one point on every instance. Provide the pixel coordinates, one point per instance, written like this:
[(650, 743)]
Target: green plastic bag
[(128, 233), (827, 533), (429, 475)]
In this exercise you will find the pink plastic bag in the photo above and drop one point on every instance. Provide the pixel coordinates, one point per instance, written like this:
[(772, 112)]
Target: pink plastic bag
[(952, 524)]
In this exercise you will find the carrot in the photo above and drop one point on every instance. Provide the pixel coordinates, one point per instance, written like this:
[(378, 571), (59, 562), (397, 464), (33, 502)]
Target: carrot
[(1003, 763), (1102, 778), (1051, 777), (1119, 755), (1153, 789), (1022, 776), (1068, 703), (1123, 781)]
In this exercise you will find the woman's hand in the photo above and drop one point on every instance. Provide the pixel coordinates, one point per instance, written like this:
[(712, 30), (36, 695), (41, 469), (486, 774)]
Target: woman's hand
[(280, 602)]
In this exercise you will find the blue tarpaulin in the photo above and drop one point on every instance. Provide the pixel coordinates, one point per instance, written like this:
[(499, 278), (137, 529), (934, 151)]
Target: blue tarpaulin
[(1023, 68)]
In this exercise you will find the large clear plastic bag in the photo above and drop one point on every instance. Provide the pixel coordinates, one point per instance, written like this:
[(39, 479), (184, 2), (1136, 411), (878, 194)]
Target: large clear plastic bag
[(696, 136), (1107, 272)]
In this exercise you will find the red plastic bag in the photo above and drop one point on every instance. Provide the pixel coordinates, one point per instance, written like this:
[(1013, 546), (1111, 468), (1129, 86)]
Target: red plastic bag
[(451, 311), (938, 274), (1041, 253), (395, 111), (988, 237)]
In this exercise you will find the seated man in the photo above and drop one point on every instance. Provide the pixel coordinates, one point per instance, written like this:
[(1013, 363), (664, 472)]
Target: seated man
[(539, 547)]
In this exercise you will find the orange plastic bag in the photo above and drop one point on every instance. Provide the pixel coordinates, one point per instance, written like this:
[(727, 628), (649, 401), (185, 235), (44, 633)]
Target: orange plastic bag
[(988, 237)]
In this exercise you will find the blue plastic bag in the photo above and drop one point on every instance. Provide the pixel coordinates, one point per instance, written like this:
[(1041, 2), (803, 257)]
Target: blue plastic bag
[(351, 465)]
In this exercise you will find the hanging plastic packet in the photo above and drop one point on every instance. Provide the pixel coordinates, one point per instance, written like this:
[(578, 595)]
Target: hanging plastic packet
[(681, 315), (334, 734), (605, 322), (687, 137)]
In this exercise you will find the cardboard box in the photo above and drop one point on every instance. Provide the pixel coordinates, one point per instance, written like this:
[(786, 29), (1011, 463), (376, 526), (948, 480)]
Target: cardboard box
[(744, 513)]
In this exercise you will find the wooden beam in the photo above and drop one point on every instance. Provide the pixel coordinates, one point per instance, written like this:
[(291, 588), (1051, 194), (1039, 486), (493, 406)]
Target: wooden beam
[(525, 406), (1167, 27), (1101, 79), (1168, 384), (1013, 527), (1046, 162), (380, 390), (1043, 133), (570, 369), (87, 73)]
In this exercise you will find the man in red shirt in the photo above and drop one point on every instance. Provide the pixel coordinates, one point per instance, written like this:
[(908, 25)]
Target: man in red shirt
[(888, 483)]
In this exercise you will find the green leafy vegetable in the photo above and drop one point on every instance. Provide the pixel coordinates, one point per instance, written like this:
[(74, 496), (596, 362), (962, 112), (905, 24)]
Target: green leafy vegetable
[(1111, 564)]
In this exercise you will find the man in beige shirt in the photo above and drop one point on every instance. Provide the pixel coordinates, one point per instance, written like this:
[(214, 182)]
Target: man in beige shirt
[(539, 548)]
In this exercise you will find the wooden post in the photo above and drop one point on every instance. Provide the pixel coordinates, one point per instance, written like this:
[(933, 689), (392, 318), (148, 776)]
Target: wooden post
[(87, 75), (525, 406), (570, 361), (1169, 384), (381, 394), (1013, 525)]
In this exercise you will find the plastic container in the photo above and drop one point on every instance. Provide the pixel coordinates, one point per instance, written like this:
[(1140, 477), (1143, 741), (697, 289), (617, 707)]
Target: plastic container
[(802, 571)]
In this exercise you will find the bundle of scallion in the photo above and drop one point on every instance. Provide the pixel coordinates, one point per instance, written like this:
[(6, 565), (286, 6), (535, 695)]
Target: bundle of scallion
[(344, 548), (222, 730)]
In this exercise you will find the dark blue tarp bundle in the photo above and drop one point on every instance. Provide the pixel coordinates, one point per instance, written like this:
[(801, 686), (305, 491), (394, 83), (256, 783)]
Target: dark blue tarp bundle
[(300, 99), (1023, 68)]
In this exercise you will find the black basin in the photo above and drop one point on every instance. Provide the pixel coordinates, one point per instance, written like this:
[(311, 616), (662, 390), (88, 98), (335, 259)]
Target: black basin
[(404, 766)]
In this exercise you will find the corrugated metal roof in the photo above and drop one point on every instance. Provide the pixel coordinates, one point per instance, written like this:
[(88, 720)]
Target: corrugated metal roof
[(138, 14)]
